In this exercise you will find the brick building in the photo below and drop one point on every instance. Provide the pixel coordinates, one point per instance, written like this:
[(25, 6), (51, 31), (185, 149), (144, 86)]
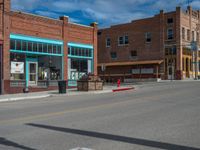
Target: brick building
[(156, 47), (38, 51)]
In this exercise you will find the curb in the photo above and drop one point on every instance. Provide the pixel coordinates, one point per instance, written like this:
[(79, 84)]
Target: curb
[(60, 95), (23, 98), (123, 89)]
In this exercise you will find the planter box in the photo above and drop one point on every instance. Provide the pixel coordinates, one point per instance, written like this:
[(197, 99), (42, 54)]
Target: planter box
[(89, 85)]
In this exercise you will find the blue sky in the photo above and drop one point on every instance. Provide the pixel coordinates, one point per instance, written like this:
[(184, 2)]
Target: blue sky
[(105, 12)]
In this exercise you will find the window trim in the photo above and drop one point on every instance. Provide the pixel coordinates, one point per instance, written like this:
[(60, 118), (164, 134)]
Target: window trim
[(134, 56), (183, 33), (113, 57), (170, 19), (108, 45), (170, 34), (188, 35), (124, 39), (193, 36), (146, 37)]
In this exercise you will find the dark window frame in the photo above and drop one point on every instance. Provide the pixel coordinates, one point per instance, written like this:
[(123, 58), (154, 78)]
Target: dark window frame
[(170, 20), (170, 35), (108, 42), (113, 55), (148, 37)]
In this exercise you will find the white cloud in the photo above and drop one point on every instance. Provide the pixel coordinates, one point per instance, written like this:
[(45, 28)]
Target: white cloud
[(47, 13), (24, 5), (106, 12)]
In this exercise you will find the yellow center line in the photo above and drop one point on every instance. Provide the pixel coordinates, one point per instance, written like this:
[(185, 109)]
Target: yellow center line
[(90, 108)]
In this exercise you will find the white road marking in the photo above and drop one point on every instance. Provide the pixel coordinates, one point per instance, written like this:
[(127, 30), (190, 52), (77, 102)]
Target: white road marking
[(79, 148)]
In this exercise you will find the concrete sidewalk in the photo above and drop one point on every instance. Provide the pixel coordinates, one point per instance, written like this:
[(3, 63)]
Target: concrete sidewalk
[(39, 95)]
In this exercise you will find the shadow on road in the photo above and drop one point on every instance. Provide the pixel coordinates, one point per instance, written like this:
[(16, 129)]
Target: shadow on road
[(6, 142), (130, 140)]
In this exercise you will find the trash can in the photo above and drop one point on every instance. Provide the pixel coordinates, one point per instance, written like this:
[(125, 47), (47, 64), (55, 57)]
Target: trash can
[(62, 87)]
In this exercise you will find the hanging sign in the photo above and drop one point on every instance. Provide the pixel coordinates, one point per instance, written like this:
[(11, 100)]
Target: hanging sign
[(17, 67)]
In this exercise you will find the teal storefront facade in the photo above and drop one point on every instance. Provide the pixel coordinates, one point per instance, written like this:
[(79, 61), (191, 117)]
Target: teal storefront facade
[(39, 62), (80, 61)]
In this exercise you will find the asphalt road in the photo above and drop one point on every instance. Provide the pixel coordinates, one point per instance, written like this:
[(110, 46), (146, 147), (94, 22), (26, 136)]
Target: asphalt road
[(156, 116)]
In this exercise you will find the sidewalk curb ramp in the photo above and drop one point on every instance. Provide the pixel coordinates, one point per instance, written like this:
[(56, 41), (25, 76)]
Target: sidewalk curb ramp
[(123, 89)]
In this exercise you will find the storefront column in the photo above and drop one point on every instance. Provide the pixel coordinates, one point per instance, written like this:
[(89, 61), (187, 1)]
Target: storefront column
[(189, 64), (65, 35), (95, 30), (157, 71)]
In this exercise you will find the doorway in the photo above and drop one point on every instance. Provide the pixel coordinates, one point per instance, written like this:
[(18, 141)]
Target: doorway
[(32, 73), (170, 73)]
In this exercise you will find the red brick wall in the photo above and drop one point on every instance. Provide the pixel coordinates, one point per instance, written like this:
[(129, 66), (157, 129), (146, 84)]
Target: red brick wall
[(80, 34), (136, 31), (26, 24), (158, 26), (33, 25)]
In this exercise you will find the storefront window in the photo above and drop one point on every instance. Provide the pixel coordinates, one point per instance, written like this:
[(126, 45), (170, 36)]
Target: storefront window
[(30, 46), (54, 49), (49, 68), (44, 48), (12, 44), (24, 47), (59, 49), (35, 47), (17, 63), (49, 48), (18, 45), (40, 47), (80, 52), (79, 63)]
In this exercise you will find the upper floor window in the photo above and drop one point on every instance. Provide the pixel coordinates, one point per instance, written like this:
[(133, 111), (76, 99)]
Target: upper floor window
[(170, 34), (188, 35), (193, 38), (31, 46), (183, 33), (123, 40), (148, 36), (108, 42), (170, 20), (99, 33), (126, 41), (113, 55), (77, 51), (133, 54), (197, 36)]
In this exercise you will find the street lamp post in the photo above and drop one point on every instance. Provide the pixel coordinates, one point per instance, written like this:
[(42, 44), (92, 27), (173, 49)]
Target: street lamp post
[(26, 90)]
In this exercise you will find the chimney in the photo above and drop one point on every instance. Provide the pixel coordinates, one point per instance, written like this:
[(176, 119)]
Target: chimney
[(65, 19)]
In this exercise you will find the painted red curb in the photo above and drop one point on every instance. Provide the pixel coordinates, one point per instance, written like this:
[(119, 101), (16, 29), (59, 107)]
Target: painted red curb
[(123, 89)]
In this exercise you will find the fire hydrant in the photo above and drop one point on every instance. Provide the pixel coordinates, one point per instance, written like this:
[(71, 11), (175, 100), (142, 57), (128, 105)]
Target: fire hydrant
[(118, 82)]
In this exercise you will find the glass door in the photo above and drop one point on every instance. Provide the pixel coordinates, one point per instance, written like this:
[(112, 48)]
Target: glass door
[(33, 67)]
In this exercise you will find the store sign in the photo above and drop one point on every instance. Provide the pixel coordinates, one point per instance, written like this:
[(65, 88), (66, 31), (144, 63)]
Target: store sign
[(17, 67), (77, 75), (147, 70), (135, 71)]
